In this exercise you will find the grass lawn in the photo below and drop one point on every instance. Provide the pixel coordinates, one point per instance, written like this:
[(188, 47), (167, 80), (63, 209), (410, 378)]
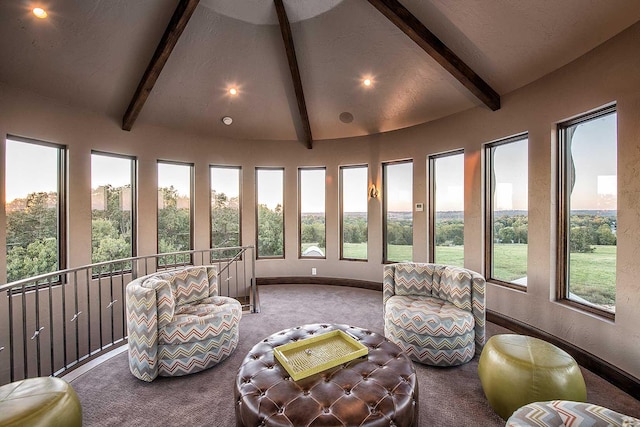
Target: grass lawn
[(510, 261), (593, 276), (354, 251), (450, 255), (399, 253)]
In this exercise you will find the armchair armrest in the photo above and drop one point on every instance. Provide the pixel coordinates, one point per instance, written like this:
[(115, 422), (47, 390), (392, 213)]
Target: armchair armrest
[(388, 285), (142, 324)]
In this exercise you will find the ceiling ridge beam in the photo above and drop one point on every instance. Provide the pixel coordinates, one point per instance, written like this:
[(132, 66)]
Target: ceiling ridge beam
[(285, 29), (172, 33), (412, 27)]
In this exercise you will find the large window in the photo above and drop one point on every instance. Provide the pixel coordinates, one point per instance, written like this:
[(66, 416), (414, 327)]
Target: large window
[(311, 185), (507, 211), (397, 203), (112, 208), (446, 207), (175, 213), (354, 197), (225, 209), (34, 205), (270, 212), (588, 210)]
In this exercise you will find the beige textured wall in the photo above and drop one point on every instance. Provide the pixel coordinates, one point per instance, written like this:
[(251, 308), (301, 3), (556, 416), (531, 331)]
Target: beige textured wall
[(610, 73)]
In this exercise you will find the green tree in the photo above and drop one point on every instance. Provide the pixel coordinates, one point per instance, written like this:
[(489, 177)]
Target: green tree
[(32, 236), (37, 258), (580, 240), (270, 231), (174, 225), (225, 224), (507, 235), (605, 236)]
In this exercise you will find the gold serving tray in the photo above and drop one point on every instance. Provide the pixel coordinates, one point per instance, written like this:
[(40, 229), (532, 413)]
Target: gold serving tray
[(312, 355)]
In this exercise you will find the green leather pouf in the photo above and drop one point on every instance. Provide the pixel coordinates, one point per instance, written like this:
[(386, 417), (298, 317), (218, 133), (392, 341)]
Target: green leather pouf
[(516, 370), (39, 402)]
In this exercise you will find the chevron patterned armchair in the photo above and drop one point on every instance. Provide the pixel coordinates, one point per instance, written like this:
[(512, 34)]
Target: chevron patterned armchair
[(178, 324), (435, 313)]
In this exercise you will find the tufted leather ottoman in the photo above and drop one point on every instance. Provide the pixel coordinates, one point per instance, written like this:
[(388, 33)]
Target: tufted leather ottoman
[(380, 390)]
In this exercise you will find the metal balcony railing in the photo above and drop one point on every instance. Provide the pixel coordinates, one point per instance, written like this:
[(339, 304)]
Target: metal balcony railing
[(53, 323)]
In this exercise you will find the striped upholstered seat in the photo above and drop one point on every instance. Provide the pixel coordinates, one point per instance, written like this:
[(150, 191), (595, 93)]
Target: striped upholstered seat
[(561, 413), (435, 313), (178, 324)]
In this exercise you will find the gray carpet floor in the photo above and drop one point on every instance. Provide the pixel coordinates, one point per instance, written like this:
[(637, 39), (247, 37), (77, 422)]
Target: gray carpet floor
[(111, 396)]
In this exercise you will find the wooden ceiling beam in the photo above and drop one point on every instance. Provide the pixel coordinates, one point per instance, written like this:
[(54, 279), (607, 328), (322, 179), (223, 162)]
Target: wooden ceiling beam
[(411, 26), (174, 30), (285, 29)]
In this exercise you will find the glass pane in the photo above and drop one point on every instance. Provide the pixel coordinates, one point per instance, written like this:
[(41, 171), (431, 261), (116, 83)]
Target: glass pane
[(225, 210), (111, 210), (312, 213), (593, 212), (354, 181), (269, 195), (449, 210), (398, 193), (174, 212), (510, 212), (31, 203)]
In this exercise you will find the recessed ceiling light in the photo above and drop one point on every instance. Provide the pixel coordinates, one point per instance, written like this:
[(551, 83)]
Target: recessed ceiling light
[(233, 91), (227, 120), (39, 12), (366, 82)]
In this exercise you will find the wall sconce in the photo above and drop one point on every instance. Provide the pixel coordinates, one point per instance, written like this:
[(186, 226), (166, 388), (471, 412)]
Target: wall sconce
[(373, 191)]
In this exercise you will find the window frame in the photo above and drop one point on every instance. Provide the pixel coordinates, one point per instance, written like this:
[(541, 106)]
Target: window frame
[(284, 234), (134, 201), (563, 196), (61, 203), (300, 171), (385, 259), (341, 213), (191, 212), (432, 198), (239, 169), (489, 213)]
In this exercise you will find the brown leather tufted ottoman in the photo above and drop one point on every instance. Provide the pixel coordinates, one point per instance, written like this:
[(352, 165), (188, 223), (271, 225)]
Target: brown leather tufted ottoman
[(380, 390)]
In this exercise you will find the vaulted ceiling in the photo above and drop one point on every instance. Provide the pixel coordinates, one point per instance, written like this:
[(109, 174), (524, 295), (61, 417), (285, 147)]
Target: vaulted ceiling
[(92, 54)]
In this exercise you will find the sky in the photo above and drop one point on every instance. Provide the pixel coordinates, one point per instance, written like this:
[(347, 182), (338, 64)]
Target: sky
[(226, 180), (510, 169), (399, 191), (449, 175), (31, 167), (312, 190), (355, 184), (270, 187)]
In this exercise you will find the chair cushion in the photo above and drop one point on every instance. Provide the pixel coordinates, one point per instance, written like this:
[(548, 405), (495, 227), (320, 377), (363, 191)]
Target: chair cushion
[(415, 279), (189, 284), (201, 321), (430, 330), (165, 302), (429, 316), (455, 287)]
